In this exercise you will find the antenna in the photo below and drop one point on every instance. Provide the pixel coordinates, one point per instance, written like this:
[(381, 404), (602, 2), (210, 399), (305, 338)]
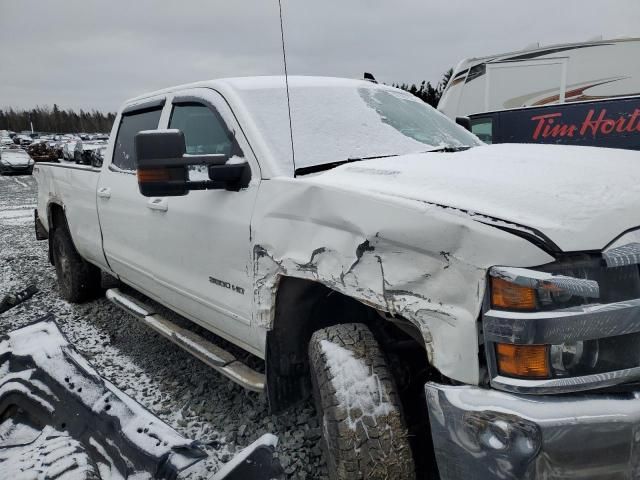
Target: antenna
[(286, 81)]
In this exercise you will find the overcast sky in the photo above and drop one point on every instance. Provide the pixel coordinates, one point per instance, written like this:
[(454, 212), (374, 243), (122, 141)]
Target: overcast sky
[(96, 54)]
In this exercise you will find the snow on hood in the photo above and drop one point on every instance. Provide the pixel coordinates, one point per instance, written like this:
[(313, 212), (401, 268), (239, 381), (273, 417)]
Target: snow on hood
[(15, 158), (582, 198)]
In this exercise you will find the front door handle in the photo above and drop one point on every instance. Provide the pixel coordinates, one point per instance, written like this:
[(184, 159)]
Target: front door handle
[(104, 192), (158, 203)]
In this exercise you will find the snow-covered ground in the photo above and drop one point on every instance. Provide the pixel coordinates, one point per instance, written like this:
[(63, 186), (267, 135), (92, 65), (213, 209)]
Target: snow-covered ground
[(195, 400)]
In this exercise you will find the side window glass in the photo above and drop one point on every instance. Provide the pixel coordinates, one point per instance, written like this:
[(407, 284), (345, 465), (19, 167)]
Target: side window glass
[(130, 125), (204, 130), (483, 128)]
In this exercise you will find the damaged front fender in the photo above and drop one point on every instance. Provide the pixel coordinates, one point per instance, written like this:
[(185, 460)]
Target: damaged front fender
[(407, 258)]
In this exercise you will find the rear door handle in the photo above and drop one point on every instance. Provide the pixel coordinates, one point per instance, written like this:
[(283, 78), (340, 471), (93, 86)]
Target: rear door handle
[(158, 203), (104, 192)]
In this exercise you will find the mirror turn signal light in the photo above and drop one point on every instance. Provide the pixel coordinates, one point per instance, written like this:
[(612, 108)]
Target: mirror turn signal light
[(153, 175), (531, 361), (508, 295)]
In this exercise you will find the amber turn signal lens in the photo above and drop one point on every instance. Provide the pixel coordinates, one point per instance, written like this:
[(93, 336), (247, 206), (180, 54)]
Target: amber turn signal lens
[(505, 294), (523, 360), (153, 175)]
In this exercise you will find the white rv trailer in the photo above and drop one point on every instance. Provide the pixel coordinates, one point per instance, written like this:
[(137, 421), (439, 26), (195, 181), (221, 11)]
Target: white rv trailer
[(555, 74)]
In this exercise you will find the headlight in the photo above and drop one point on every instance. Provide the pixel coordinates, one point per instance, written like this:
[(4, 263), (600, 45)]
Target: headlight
[(582, 280), (574, 358), (570, 325)]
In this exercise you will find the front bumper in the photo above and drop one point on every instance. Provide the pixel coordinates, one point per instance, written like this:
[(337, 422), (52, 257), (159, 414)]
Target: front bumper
[(481, 433), (6, 168)]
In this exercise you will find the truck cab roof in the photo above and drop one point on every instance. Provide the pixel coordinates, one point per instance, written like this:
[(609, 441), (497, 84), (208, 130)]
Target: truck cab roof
[(253, 82)]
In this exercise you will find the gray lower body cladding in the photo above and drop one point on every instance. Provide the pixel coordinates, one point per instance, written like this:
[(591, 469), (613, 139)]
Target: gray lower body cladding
[(481, 433)]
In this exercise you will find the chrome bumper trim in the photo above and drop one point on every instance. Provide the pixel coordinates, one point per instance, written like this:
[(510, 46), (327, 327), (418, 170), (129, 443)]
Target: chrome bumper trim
[(624, 255), (566, 385), (625, 250), (482, 434), (534, 279), (560, 326)]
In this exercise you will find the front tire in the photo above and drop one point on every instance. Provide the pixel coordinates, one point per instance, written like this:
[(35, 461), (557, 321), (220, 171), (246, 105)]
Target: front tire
[(363, 430), (78, 280)]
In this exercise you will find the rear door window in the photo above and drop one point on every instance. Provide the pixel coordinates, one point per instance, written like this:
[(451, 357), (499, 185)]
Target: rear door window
[(130, 125)]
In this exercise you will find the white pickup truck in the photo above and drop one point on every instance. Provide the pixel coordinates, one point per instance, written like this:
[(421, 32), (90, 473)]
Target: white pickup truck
[(456, 309)]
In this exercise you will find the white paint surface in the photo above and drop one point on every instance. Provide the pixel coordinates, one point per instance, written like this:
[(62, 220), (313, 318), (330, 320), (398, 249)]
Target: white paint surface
[(580, 197)]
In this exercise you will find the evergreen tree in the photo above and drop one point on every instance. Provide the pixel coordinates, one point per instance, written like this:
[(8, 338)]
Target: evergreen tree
[(56, 120), (427, 92)]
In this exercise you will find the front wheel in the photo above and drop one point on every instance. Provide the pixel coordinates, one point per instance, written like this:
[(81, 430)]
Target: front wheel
[(78, 280), (363, 430)]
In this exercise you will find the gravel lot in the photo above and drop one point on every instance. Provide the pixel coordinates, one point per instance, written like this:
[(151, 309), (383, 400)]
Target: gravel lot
[(179, 389)]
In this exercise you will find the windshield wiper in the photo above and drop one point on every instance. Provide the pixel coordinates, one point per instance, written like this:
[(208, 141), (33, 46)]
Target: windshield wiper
[(448, 149), (328, 166)]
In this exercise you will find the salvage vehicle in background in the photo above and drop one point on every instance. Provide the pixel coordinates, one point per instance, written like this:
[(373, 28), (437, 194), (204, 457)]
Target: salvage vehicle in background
[(43, 151), (22, 140), (89, 153), (5, 139), (15, 160), (69, 149), (580, 94), (434, 294)]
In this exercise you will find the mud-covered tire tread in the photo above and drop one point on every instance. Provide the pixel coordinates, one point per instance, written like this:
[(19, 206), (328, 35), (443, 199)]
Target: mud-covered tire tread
[(381, 451), (83, 280)]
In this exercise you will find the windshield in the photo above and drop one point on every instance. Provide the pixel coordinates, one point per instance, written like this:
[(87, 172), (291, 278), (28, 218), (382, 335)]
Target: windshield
[(335, 121)]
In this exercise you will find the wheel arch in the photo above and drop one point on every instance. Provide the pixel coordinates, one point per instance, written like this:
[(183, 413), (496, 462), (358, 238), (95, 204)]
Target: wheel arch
[(56, 217), (302, 307)]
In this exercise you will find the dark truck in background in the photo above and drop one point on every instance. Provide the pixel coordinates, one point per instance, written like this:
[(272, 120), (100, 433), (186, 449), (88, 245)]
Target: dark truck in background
[(611, 123)]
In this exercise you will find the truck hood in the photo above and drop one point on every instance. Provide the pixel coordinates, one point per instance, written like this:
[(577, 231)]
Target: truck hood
[(581, 198)]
